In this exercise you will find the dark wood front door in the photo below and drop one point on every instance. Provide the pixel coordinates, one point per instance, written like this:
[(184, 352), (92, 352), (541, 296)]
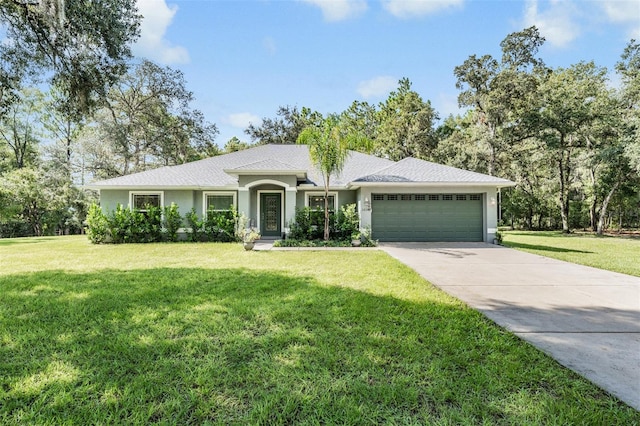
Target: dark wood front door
[(270, 214)]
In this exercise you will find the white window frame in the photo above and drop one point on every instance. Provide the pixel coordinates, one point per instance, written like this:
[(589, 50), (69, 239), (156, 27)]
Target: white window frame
[(321, 194), (132, 194), (205, 194)]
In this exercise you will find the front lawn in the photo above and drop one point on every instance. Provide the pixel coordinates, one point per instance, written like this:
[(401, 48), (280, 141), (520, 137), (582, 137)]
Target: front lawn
[(610, 253), (211, 334)]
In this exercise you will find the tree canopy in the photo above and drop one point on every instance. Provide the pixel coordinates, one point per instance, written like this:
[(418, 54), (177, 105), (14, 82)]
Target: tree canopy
[(81, 46)]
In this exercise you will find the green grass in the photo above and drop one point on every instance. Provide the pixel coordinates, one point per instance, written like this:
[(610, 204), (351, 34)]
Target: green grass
[(211, 334), (610, 253)]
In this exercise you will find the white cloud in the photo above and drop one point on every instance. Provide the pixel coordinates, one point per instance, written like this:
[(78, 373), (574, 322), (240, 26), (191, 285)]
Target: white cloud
[(377, 86), (556, 24), (242, 120), (413, 8), (157, 17), (624, 13), (339, 10)]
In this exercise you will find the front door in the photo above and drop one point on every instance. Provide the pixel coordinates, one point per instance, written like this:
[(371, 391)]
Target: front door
[(270, 214)]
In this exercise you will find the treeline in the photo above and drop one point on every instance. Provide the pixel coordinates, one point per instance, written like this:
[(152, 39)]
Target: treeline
[(566, 137), (47, 154)]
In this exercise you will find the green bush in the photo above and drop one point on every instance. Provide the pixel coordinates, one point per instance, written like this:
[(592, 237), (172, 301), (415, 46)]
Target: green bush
[(347, 223), (97, 225), (119, 224), (13, 228), (311, 243), (365, 237), (197, 226), (309, 224), (124, 225), (220, 226), (150, 226), (172, 222)]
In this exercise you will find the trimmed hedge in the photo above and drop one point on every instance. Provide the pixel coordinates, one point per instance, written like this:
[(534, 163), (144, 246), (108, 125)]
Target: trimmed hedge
[(156, 224)]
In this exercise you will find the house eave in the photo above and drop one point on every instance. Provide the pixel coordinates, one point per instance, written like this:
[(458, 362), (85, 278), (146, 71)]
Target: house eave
[(390, 185), (163, 187)]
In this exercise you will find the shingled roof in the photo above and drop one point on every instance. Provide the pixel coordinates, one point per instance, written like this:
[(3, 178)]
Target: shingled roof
[(359, 169), (413, 170)]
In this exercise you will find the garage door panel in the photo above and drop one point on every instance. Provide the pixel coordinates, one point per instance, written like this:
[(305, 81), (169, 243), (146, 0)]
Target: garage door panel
[(427, 217)]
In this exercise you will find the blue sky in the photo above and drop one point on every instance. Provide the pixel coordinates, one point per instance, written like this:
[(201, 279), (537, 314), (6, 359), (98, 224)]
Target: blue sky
[(243, 59)]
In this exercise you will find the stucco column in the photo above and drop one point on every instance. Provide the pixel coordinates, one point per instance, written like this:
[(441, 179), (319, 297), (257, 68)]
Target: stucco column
[(289, 207), (491, 212), (243, 202), (364, 207)]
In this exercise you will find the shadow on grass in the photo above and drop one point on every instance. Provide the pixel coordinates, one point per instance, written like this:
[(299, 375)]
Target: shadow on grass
[(235, 346), (539, 233), (513, 244), (24, 240)]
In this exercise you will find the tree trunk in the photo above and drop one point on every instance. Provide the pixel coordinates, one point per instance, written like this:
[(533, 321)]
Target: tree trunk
[(593, 209), (603, 209), (564, 196), (326, 209)]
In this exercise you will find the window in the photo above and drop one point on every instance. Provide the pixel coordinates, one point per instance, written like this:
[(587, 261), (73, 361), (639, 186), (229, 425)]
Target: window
[(392, 197), (378, 197), (316, 202), (461, 197), (474, 197), (219, 202), (434, 197), (142, 200), (405, 197), (419, 197), (447, 197)]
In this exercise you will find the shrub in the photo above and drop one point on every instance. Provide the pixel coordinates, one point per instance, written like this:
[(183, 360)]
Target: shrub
[(220, 226), (13, 228), (311, 243), (347, 222), (172, 222), (196, 225), (118, 223), (150, 225), (133, 226), (365, 237), (309, 224), (97, 225)]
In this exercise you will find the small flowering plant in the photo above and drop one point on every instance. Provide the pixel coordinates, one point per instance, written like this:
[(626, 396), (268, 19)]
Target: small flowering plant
[(250, 235)]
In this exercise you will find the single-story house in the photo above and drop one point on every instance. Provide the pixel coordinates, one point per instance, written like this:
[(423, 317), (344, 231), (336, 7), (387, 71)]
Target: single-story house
[(407, 200)]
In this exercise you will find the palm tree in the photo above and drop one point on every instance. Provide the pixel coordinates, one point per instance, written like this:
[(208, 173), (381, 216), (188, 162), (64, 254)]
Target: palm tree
[(329, 145)]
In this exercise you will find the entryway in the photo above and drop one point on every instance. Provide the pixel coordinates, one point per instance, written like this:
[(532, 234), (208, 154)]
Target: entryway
[(270, 214)]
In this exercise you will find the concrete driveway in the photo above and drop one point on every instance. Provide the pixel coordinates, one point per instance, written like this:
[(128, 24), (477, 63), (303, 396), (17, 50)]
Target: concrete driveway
[(586, 318)]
